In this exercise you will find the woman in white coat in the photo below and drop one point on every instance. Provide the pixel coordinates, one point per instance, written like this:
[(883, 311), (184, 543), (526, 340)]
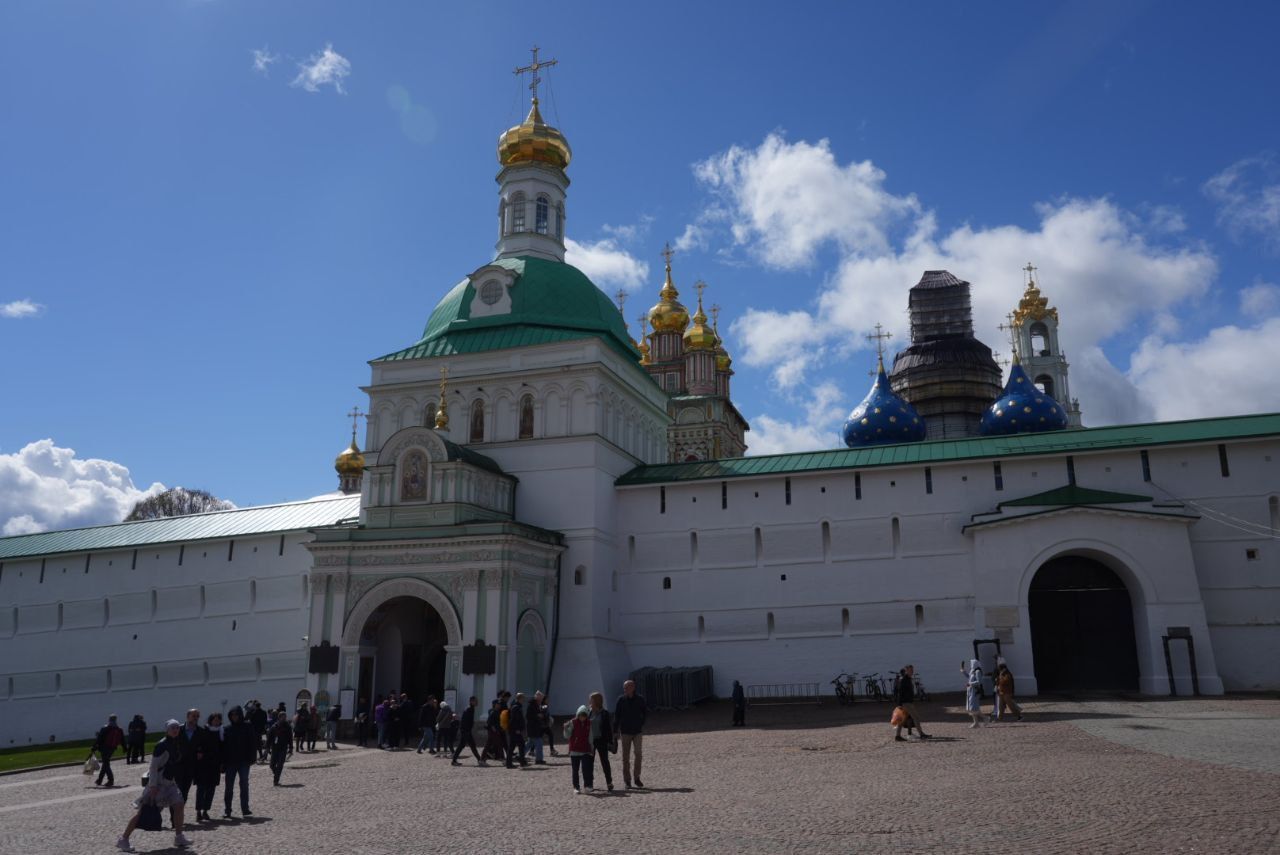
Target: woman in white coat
[(973, 692)]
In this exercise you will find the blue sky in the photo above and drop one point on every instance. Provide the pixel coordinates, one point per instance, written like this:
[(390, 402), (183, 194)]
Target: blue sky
[(198, 257)]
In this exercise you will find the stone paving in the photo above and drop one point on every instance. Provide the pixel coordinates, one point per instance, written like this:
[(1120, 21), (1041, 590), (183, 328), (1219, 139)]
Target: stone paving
[(1075, 776)]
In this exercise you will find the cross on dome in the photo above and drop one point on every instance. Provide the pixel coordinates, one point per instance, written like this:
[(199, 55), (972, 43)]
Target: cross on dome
[(442, 410), (667, 254), (879, 337), (1030, 270), (355, 415), (1012, 329), (533, 68)]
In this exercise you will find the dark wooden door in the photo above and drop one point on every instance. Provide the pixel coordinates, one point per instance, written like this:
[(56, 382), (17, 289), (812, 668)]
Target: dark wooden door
[(1082, 628)]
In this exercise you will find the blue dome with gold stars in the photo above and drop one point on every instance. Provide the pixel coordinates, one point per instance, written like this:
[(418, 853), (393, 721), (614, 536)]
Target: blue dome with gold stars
[(882, 417), (1022, 408)]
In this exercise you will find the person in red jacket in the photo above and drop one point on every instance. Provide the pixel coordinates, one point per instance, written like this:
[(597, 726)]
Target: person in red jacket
[(581, 752), (107, 740)]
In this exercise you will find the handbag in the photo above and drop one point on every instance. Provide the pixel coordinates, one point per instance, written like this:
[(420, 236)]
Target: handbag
[(91, 765), (149, 818)]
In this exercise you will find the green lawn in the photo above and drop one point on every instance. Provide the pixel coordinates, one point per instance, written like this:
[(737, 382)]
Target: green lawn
[(30, 756)]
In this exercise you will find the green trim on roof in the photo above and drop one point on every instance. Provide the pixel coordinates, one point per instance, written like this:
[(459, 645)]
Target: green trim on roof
[(240, 522), (1072, 494), (550, 302), (1078, 440)]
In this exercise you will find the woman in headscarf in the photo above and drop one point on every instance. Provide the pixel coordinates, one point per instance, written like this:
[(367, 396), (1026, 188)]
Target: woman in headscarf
[(161, 791), (973, 692)]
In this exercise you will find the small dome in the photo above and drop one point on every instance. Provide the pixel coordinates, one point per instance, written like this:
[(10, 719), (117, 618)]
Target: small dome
[(699, 336), (1022, 408), (534, 141), (723, 362), (669, 314), (350, 461), (882, 417)]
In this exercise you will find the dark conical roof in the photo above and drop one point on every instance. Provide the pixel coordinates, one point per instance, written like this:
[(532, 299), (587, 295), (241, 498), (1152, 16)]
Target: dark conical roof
[(939, 279)]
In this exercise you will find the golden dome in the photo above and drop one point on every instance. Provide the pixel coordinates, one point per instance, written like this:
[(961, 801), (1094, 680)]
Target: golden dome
[(350, 461), (669, 315), (699, 336), (723, 362), (534, 141)]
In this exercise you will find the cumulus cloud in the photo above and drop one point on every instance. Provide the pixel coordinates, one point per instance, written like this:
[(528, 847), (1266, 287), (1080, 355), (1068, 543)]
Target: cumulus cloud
[(607, 263), (262, 60), (20, 309), (326, 68), (1260, 299), (811, 424), (1247, 194), (44, 486)]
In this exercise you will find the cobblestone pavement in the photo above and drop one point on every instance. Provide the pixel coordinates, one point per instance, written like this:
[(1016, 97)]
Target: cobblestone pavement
[(1074, 776)]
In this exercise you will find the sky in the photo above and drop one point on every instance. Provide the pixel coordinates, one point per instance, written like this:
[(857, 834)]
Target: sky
[(215, 212)]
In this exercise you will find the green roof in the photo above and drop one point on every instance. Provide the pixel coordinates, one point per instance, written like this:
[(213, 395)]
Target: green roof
[(1076, 440), (475, 458), (240, 522), (550, 302), (1073, 494)]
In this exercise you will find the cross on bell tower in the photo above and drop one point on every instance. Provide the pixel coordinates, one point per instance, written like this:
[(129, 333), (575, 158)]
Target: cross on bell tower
[(532, 69)]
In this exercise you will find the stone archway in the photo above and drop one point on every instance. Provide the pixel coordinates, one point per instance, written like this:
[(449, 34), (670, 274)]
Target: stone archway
[(1083, 634)]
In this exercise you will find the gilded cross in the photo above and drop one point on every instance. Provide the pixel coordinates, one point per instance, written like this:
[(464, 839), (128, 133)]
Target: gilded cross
[(1030, 270), (533, 69), (621, 297), (667, 253), (1012, 329), (644, 324), (879, 337), (701, 286), (715, 317), (355, 415)]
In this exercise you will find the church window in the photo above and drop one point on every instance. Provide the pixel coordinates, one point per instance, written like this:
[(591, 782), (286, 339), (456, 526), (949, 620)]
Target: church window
[(135, 560), (182, 551), (1039, 339), (769, 623), (231, 550), (759, 545), (666, 583), (1045, 384), (928, 479), (787, 488), (1222, 460), (477, 422), (999, 476), (897, 535), (844, 621), (518, 213), (490, 292), (560, 222), (724, 495), (281, 545), (857, 485), (1146, 465), (578, 575), (919, 616), (1071, 470), (526, 417), (826, 541), (693, 547), (42, 560), (540, 216)]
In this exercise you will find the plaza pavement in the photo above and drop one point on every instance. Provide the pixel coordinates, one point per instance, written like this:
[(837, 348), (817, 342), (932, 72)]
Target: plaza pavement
[(1096, 776)]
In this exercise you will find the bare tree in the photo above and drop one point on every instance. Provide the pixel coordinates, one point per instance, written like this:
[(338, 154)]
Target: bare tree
[(177, 502)]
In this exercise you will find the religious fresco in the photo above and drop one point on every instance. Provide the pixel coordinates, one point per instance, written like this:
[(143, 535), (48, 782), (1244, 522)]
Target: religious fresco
[(413, 477)]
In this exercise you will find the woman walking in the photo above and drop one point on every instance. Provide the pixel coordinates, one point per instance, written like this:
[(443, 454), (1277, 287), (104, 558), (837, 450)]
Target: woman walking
[(973, 692), (577, 733), (1004, 692), (162, 791), (602, 735), (208, 745)]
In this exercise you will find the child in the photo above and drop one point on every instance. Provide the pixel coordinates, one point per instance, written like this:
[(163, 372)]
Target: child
[(578, 734)]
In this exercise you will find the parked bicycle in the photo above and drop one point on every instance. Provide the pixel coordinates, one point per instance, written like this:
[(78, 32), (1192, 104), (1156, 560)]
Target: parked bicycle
[(873, 687), (845, 685)]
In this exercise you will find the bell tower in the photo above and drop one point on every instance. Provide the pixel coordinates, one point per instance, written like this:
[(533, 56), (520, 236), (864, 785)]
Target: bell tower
[(1034, 325)]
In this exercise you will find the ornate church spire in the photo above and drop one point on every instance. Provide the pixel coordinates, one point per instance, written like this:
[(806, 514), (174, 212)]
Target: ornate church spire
[(1033, 334), (350, 463)]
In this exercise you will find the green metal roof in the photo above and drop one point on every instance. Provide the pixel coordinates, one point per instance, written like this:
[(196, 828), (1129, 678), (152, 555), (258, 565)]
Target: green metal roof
[(475, 458), (1073, 494), (217, 524), (1077, 440), (550, 302)]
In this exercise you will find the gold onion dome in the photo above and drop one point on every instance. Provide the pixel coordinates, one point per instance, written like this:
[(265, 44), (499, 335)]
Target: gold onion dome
[(699, 336), (350, 461), (723, 362), (669, 315), (534, 141)]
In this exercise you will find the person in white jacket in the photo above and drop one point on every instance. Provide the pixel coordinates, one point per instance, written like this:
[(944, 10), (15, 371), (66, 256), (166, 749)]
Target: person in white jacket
[(162, 791)]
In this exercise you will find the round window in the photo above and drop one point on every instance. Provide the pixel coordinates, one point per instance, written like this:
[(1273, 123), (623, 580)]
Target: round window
[(490, 292)]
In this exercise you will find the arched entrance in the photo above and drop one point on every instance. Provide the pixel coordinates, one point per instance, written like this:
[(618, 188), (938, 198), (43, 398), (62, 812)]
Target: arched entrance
[(1082, 634), (531, 642), (402, 650)]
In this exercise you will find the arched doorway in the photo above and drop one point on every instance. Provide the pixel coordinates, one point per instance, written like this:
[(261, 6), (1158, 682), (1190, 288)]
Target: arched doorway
[(531, 641), (1082, 635), (402, 650)]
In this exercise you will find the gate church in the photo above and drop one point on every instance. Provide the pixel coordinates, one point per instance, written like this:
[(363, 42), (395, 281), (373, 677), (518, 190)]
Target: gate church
[(544, 502)]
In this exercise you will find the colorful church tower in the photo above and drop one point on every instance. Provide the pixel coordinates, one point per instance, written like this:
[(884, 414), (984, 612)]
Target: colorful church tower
[(1034, 325)]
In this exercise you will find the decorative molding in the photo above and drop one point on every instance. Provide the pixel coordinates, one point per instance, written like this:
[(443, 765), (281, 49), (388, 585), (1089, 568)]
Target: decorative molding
[(382, 590)]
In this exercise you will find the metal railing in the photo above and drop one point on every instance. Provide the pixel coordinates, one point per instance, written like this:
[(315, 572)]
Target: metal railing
[(765, 694)]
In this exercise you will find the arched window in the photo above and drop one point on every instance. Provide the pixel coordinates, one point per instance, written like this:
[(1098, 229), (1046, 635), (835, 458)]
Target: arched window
[(1045, 384), (429, 415), (518, 213), (1039, 339), (477, 422), (540, 216), (526, 417), (560, 222)]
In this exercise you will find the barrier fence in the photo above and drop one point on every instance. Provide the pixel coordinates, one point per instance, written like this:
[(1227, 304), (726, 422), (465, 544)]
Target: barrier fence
[(674, 688), (765, 694)]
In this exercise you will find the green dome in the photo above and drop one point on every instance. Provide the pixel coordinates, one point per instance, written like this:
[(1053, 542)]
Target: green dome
[(550, 301)]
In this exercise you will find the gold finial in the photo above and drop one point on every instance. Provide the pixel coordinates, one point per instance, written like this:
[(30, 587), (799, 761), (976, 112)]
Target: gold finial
[(1030, 270), (533, 69), (667, 254), (715, 318), (643, 346), (1012, 329), (442, 410), (879, 337)]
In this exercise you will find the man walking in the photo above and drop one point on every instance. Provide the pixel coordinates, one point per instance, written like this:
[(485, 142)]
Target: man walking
[(186, 773), (629, 712), (331, 726), (137, 740), (108, 739), (906, 698), (467, 738), (239, 750), (516, 731)]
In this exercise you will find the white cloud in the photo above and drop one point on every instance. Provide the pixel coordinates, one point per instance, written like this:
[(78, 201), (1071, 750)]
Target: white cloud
[(44, 487), (262, 60), (1247, 194), (20, 309), (1218, 370), (1260, 298), (326, 68), (812, 424), (606, 263), (695, 236)]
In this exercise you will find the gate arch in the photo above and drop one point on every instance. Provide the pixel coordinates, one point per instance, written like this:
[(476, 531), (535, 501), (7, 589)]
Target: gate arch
[(403, 587)]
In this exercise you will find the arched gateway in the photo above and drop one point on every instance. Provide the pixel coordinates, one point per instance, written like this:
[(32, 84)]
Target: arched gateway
[(1082, 628)]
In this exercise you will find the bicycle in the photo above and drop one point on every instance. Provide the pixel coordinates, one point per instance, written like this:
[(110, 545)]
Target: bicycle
[(872, 687), (921, 694), (845, 685)]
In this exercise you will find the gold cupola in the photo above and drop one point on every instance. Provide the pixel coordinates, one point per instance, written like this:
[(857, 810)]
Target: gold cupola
[(700, 336), (668, 315), (723, 362), (534, 141), (350, 461)]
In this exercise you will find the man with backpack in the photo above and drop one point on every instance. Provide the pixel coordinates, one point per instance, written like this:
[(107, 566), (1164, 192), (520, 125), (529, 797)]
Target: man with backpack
[(108, 738)]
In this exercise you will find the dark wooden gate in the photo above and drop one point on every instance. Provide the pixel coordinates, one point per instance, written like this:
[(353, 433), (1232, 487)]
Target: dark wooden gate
[(1082, 628)]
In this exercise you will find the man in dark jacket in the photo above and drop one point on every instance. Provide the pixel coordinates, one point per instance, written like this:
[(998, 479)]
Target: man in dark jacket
[(279, 744), (467, 737), (186, 773), (629, 714), (239, 751), (257, 718), (535, 722), (137, 740), (905, 697), (516, 731), (107, 740)]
